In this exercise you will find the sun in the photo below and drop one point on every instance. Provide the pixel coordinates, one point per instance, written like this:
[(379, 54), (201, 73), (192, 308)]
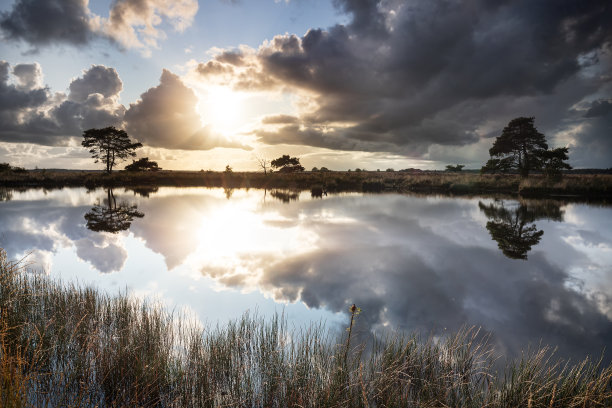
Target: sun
[(222, 109)]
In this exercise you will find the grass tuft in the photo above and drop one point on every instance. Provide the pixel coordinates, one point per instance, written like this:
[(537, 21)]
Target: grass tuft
[(71, 346)]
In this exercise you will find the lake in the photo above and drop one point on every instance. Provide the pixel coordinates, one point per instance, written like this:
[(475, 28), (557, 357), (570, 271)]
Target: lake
[(526, 272)]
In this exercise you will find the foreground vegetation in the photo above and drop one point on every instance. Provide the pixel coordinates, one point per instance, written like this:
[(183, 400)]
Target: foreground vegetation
[(591, 185), (64, 345)]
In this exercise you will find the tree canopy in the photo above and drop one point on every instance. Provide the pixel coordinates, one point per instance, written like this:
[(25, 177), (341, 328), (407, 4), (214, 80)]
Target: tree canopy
[(143, 164), (456, 168), (109, 146), (554, 162), (520, 148), (286, 164)]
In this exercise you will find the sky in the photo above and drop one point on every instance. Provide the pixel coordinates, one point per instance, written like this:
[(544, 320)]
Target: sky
[(338, 83)]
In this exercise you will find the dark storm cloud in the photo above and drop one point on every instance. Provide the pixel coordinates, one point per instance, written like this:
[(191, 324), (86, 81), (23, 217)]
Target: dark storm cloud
[(44, 22), (400, 73), (593, 145), (599, 108), (166, 116), (29, 113)]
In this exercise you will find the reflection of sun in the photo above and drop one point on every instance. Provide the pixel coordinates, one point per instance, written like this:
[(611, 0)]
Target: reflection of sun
[(237, 227), (222, 108)]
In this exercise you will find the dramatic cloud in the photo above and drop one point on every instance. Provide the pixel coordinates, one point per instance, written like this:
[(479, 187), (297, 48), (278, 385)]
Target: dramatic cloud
[(406, 76), (131, 23), (134, 23), (166, 116), (26, 94), (29, 113), (45, 22), (29, 76), (98, 79), (92, 101), (591, 138), (599, 108)]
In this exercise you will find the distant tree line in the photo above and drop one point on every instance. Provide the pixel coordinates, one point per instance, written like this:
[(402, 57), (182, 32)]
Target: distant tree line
[(520, 148), (5, 167)]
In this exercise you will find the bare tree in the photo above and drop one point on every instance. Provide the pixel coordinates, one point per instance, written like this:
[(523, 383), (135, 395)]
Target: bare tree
[(263, 163)]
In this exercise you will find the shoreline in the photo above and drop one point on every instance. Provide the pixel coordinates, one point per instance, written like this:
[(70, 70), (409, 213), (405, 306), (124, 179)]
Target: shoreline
[(573, 186)]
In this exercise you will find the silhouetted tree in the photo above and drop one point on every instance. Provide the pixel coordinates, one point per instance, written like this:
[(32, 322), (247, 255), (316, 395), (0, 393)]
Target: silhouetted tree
[(5, 167), (143, 191), (554, 162), (109, 146), (514, 229), (110, 216), (286, 164), (520, 147), (456, 168), (143, 164)]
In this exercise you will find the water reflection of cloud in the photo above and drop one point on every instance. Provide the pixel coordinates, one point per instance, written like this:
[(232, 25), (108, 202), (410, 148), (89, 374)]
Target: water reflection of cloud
[(37, 224), (104, 251), (399, 259), (411, 263)]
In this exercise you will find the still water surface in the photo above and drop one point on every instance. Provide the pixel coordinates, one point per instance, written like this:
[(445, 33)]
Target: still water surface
[(528, 272)]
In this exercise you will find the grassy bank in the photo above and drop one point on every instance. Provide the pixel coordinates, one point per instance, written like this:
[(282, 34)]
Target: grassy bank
[(63, 345), (585, 185)]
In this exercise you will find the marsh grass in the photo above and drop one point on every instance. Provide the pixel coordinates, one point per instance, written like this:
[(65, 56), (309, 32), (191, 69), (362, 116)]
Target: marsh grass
[(71, 346)]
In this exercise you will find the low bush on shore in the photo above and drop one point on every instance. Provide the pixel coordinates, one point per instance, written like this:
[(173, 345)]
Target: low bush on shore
[(71, 346)]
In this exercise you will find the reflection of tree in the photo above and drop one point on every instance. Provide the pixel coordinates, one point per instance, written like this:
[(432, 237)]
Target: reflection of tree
[(111, 217), (285, 196), (143, 191), (6, 194), (513, 228), (229, 191)]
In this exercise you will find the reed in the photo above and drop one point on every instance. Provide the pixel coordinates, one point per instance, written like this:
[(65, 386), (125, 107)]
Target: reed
[(72, 346)]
